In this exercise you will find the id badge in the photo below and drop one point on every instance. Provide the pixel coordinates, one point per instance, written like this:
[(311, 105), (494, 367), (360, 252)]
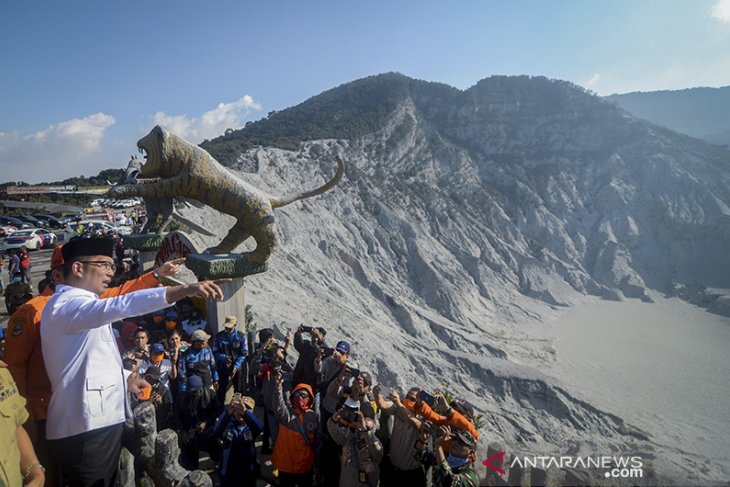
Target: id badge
[(363, 477)]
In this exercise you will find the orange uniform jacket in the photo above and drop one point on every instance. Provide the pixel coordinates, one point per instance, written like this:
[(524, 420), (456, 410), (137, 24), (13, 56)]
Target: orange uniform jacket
[(457, 421), (292, 453), (23, 352)]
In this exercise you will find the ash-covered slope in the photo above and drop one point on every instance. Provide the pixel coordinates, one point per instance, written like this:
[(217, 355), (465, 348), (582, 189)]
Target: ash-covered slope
[(466, 216)]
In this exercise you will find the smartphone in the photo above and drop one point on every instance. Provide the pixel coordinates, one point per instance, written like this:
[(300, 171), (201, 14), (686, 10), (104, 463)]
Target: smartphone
[(144, 393), (427, 398)]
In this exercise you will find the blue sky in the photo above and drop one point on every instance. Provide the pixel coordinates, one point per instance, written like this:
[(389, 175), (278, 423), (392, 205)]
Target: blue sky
[(83, 80)]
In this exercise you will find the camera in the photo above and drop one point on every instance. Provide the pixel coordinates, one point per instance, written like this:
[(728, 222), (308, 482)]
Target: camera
[(427, 398), (353, 371), (348, 416), (305, 328)]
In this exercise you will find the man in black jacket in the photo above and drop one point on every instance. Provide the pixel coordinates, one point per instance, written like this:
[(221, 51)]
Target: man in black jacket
[(304, 372)]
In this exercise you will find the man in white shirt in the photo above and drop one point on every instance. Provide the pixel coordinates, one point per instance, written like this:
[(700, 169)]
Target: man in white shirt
[(87, 408)]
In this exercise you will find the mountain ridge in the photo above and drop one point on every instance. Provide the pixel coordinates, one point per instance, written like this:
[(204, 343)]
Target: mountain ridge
[(700, 112), (465, 221)]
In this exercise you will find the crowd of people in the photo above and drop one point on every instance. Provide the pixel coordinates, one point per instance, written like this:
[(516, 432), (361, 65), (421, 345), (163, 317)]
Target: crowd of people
[(323, 419)]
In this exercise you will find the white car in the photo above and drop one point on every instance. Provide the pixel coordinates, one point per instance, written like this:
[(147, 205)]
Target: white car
[(7, 230), (32, 239)]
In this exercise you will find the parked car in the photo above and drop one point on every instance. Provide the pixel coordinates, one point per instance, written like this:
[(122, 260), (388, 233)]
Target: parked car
[(7, 230), (95, 226), (53, 222), (12, 221), (33, 239), (34, 222), (66, 219)]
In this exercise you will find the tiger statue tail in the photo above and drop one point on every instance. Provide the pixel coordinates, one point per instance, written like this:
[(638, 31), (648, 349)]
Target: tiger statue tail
[(279, 202)]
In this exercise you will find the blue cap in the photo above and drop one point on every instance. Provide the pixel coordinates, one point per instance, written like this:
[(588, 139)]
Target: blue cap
[(172, 314), (343, 347), (195, 382), (157, 348)]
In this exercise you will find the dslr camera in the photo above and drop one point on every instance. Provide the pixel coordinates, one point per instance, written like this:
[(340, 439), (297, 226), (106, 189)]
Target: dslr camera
[(348, 416)]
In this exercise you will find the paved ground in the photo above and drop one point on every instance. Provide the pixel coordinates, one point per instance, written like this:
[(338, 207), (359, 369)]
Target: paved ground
[(40, 263)]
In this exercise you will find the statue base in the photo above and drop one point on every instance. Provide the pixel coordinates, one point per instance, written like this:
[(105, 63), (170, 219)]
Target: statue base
[(147, 245), (232, 266), (155, 249), (223, 266)]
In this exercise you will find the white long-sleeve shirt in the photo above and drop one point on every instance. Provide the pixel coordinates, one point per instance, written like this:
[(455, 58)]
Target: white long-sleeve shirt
[(82, 358)]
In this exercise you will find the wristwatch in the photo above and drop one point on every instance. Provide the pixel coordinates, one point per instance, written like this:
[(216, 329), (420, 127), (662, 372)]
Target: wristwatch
[(26, 474), (155, 275)]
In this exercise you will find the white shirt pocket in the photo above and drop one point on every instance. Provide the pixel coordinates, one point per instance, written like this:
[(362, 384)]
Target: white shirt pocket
[(101, 395)]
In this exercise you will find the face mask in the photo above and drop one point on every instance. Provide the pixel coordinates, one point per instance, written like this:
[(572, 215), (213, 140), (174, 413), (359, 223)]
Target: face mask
[(301, 402), (456, 462)]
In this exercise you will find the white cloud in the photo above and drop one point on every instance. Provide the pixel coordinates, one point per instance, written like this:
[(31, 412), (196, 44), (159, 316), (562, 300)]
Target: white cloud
[(593, 80), (62, 150), (212, 123), (721, 10)]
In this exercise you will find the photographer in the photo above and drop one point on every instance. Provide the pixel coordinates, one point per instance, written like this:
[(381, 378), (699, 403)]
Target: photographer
[(273, 363), (159, 395), (198, 410), (330, 369), (237, 428), (403, 468), (455, 470), (334, 373), (304, 370), (157, 359), (448, 414), (361, 449), (294, 449), (359, 390), (230, 347)]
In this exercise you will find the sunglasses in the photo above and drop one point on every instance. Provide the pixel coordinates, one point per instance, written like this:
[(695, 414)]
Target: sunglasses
[(303, 394)]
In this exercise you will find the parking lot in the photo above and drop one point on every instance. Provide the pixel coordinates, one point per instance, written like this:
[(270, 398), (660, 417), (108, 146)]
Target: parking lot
[(40, 262)]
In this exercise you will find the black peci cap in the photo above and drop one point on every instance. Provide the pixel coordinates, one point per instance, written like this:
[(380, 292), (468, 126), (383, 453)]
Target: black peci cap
[(81, 247)]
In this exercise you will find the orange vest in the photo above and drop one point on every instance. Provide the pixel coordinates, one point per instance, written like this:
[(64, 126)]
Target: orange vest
[(23, 352)]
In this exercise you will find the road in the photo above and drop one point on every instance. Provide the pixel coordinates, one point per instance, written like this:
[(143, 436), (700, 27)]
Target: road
[(40, 261)]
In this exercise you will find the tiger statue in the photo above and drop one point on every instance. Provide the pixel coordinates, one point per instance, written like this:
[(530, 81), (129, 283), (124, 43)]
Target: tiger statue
[(176, 168)]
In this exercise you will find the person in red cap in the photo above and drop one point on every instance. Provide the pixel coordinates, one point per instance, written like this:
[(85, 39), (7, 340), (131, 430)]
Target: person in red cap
[(24, 356)]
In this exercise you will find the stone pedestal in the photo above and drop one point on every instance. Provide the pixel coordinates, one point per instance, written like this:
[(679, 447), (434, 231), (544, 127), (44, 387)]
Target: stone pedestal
[(147, 244), (232, 266), (156, 249)]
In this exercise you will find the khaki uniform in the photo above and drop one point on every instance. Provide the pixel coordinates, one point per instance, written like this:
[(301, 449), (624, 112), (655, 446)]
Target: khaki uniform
[(12, 415)]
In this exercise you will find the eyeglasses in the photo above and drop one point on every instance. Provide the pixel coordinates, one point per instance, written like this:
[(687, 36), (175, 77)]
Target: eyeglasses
[(109, 266), (303, 394)]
